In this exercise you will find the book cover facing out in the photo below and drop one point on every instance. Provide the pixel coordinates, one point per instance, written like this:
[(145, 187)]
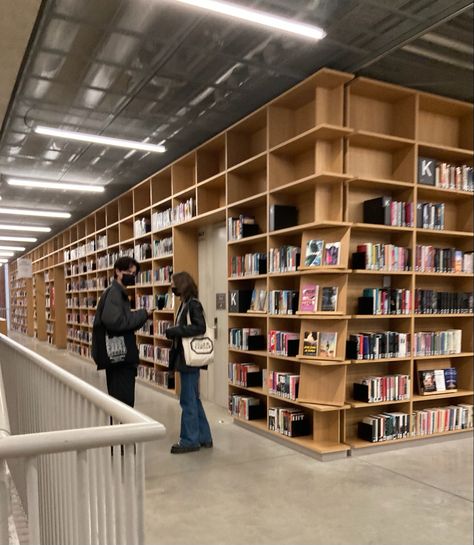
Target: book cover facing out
[(314, 253), (329, 299), (327, 344), (310, 344), (309, 298)]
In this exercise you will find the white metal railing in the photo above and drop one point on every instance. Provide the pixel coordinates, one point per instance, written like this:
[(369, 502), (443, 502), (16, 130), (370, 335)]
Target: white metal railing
[(76, 455)]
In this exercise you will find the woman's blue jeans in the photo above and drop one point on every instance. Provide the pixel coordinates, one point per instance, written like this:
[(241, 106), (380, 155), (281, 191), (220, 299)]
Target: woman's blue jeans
[(194, 425)]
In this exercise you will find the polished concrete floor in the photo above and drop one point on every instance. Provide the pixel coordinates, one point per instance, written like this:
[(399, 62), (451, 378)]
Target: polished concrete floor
[(250, 490)]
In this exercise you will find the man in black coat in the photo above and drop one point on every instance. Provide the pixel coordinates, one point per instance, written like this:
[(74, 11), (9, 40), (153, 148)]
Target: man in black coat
[(115, 316)]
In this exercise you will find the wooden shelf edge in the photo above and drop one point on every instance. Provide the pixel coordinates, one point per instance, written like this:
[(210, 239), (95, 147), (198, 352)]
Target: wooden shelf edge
[(361, 443)]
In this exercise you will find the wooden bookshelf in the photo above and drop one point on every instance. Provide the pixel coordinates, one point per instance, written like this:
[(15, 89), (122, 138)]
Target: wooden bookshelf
[(21, 303), (324, 147), (384, 163)]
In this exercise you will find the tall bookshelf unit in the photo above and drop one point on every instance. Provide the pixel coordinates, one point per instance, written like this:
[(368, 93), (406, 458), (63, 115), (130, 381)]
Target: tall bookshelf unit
[(392, 128), (324, 148), (21, 302)]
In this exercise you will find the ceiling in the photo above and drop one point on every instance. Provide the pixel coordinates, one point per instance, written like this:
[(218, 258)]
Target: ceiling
[(158, 70)]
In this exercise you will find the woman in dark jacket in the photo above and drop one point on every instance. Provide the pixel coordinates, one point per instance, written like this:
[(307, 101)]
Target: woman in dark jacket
[(195, 431)]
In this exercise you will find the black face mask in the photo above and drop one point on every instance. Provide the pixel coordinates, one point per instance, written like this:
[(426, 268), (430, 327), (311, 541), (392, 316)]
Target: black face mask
[(175, 291), (128, 279)]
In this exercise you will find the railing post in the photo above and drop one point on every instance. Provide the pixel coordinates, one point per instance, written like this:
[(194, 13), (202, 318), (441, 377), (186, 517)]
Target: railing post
[(83, 498), (32, 491), (4, 502)]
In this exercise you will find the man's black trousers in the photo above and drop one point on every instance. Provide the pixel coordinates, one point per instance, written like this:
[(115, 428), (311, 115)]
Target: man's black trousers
[(121, 383)]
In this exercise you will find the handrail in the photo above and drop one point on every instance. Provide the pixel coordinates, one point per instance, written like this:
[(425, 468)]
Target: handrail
[(50, 442), (117, 409), (4, 420), (76, 456)]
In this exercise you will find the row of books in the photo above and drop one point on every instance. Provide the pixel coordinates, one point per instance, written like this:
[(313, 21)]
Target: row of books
[(145, 301), (75, 302), (142, 251), (385, 211), (164, 379), (247, 338), (258, 301), (443, 419), (381, 257), (245, 407), (145, 277), (283, 343), (81, 268), (163, 275), (289, 421), (79, 349), (158, 354), (430, 215), (82, 285), (437, 343), (164, 301), (162, 355), (443, 302), (160, 327), (78, 334), (80, 251), (246, 374), (445, 175), (382, 388), (446, 260), (241, 227), (248, 265), (388, 426), (163, 247), (141, 227), (385, 301), (320, 344), (171, 216), (320, 253), (377, 345), (282, 302), (435, 381), (283, 384), (146, 351), (384, 427), (284, 259), (102, 242)]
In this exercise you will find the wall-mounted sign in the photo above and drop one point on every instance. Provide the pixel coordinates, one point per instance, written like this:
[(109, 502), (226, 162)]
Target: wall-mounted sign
[(24, 268), (220, 301)]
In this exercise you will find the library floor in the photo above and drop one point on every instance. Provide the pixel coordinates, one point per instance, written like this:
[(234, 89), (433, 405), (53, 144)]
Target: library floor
[(250, 490)]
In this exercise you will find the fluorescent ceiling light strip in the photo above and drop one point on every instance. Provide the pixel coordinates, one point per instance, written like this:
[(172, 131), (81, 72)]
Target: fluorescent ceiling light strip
[(96, 139), (32, 228), (13, 248), (66, 186), (258, 17), (6, 238), (2, 261), (7, 254), (35, 213)]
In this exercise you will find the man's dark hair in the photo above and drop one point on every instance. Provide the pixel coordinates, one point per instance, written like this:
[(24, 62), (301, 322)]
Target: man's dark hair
[(185, 285), (124, 263)]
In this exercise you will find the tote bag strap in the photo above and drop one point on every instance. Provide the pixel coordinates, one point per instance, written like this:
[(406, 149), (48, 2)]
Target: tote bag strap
[(188, 317)]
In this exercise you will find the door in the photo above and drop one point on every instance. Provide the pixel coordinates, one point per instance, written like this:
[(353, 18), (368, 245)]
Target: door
[(212, 256)]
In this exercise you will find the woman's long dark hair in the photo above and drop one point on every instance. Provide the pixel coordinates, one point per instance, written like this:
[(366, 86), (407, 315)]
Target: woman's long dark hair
[(185, 285)]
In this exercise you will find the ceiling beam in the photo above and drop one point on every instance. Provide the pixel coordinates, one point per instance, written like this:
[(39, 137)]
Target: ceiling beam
[(17, 20)]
